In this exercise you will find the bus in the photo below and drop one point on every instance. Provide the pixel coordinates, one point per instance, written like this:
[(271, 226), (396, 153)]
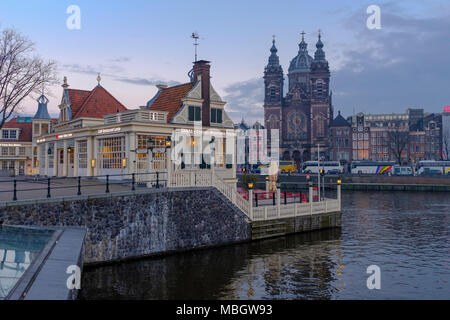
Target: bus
[(330, 167), (372, 167), (433, 167), (284, 166)]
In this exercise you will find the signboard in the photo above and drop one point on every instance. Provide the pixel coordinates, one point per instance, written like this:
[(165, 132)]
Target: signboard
[(447, 109)]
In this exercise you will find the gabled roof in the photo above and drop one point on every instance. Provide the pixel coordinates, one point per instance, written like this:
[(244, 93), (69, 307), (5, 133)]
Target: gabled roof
[(169, 99), (339, 121), (25, 134), (93, 104)]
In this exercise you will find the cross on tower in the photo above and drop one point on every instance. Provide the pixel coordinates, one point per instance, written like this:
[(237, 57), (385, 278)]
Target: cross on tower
[(303, 35)]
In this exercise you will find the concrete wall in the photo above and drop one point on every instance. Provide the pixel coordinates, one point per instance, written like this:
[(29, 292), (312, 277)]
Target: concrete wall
[(140, 224)]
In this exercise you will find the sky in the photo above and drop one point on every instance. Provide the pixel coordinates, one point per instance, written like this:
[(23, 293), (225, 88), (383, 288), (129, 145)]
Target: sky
[(140, 43)]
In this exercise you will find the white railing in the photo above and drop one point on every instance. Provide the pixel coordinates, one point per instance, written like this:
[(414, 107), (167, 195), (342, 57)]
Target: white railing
[(136, 115), (195, 178)]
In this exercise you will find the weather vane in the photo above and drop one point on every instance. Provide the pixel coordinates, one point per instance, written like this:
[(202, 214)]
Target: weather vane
[(195, 37)]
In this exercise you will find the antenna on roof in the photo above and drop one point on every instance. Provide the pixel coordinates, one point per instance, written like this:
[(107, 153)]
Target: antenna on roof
[(195, 36)]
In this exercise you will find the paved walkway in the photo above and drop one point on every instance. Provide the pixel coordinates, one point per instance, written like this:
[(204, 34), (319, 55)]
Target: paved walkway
[(37, 189)]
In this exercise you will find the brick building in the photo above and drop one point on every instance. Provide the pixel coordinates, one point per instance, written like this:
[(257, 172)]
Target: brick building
[(303, 115)]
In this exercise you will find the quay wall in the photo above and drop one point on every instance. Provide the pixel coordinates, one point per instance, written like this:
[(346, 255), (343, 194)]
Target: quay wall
[(134, 225), (304, 223)]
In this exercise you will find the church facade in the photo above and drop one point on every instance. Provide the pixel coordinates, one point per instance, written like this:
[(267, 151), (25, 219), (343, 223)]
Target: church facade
[(304, 114)]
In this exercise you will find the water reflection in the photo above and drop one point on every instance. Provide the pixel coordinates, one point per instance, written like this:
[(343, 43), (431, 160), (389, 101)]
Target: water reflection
[(18, 248), (405, 234)]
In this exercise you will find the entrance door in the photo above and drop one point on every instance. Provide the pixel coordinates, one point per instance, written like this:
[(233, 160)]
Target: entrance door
[(60, 162), (71, 156), (21, 168)]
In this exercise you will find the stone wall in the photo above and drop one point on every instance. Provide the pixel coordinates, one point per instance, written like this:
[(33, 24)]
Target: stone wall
[(304, 223), (140, 224)]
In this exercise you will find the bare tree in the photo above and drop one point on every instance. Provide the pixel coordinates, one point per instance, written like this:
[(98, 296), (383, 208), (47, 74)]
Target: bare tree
[(22, 73), (446, 145), (398, 141)]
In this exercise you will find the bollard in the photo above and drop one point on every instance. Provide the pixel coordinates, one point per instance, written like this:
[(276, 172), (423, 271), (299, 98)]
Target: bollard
[(15, 191), (107, 183), (285, 198), (133, 181), (79, 186), (273, 199), (157, 179), (48, 189), (256, 199)]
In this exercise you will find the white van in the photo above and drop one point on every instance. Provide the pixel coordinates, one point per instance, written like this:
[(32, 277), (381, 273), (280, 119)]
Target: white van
[(403, 171)]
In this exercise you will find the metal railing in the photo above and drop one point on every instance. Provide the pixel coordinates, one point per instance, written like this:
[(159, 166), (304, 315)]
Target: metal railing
[(47, 187)]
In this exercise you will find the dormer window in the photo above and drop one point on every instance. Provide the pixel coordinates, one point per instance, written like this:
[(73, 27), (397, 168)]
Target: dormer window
[(195, 113), (216, 115), (9, 134)]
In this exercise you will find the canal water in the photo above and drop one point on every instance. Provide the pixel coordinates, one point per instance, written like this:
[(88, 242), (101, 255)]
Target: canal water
[(405, 234)]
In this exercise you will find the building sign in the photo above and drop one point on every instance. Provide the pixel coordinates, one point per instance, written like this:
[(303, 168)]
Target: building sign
[(64, 136), (9, 145), (447, 109), (109, 130), (40, 140)]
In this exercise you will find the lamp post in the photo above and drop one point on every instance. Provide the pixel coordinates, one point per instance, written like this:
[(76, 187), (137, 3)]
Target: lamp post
[(213, 158)]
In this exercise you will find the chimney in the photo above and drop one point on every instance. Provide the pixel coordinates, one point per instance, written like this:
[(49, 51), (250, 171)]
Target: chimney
[(202, 69)]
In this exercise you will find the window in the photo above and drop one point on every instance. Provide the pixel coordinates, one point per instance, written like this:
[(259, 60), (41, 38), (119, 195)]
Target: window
[(195, 113), (12, 151), (216, 115), (272, 93), (319, 89), (111, 152), (22, 151), (82, 154), (9, 134)]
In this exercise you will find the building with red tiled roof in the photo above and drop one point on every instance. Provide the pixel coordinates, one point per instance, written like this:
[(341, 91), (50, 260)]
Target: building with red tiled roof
[(195, 101), (96, 135), (77, 104)]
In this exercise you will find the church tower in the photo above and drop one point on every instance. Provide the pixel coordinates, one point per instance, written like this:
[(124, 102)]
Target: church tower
[(321, 107), (273, 97), (273, 79)]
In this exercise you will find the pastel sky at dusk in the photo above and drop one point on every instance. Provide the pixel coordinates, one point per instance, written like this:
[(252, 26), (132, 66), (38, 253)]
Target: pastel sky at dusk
[(138, 44)]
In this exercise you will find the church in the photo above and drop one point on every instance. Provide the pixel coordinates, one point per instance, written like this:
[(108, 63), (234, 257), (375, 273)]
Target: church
[(304, 114)]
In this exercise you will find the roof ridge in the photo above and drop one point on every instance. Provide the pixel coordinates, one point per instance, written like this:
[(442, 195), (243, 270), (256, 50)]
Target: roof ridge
[(178, 85), (83, 106)]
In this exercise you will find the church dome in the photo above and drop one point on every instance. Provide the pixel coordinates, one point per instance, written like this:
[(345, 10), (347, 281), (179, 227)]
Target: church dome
[(302, 62)]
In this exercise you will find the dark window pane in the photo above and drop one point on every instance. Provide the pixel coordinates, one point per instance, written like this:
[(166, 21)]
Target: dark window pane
[(197, 114), (219, 116), (191, 114), (213, 115)]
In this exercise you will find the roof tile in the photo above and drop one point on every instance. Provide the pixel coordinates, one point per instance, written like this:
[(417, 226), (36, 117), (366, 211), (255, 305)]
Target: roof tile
[(169, 99)]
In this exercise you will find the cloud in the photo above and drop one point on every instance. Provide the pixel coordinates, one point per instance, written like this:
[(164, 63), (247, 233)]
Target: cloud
[(147, 82), (245, 100), (116, 72), (405, 64)]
